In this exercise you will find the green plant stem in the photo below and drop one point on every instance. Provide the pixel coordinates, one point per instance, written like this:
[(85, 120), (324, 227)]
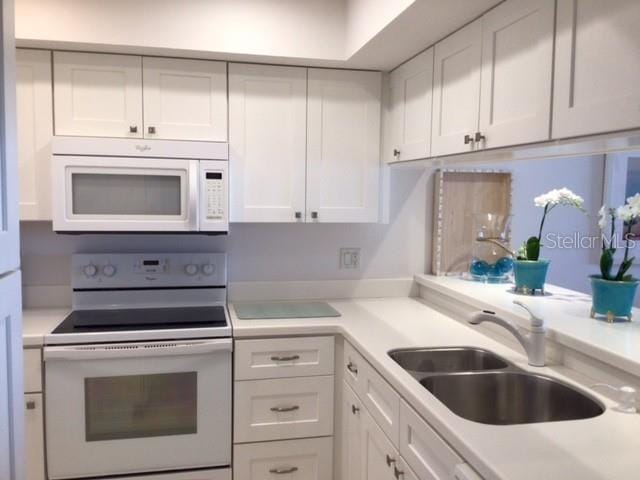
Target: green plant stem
[(544, 216)]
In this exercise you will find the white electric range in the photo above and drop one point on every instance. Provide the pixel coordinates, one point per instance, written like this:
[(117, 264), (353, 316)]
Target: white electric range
[(138, 378)]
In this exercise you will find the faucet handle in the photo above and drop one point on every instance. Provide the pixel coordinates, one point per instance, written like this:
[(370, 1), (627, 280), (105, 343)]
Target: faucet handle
[(627, 397), (536, 321)]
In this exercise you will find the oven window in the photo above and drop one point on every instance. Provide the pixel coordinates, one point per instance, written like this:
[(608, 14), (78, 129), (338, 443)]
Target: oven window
[(138, 406), (111, 194)]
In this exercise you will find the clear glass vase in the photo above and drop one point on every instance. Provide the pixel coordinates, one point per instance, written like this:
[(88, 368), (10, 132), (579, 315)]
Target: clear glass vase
[(490, 258)]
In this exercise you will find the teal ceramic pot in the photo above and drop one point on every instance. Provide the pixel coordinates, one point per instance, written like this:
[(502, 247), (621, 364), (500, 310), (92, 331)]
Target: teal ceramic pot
[(530, 275), (612, 298)]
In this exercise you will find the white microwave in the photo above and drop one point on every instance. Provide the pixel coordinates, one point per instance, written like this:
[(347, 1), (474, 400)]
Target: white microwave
[(128, 185)]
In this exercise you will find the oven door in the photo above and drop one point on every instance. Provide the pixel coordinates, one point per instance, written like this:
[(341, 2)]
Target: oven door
[(115, 194), (115, 409)]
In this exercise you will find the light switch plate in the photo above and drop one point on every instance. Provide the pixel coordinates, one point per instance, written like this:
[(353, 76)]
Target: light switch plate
[(350, 258)]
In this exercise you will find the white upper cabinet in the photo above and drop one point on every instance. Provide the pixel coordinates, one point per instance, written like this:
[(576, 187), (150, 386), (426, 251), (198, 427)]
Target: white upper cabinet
[(185, 99), (456, 90), (597, 72), (517, 58), (267, 149), (411, 101), (35, 129), (98, 95), (343, 145)]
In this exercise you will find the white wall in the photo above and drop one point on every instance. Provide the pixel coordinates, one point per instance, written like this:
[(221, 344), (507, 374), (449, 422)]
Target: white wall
[(287, 28), (265, 251), (365, 19), (259, 252)]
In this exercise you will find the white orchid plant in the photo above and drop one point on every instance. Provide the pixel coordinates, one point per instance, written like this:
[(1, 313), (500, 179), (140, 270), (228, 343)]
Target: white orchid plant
[(629, 215), (530, 250)]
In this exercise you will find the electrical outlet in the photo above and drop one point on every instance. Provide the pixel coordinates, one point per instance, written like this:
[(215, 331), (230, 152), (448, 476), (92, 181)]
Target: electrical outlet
[(350, 258)]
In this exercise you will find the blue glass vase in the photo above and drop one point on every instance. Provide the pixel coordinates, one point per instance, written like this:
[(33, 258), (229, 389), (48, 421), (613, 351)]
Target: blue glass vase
[(612, 298), (530, 275)]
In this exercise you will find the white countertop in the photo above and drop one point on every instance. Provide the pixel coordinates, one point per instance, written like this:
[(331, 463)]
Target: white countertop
[(605, 447), (38, 322), (566, 315)]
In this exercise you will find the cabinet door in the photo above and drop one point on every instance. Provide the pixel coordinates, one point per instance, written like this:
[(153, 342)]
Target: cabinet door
[(302, 459), (343, 146), (597, 75), (411, 102), (282, 408), (11, 382), (35, 129), (352, 412), (185, 99), (34, 437), (97, 95), (378, 457), (517, 58), (267, 130), (456, 90)]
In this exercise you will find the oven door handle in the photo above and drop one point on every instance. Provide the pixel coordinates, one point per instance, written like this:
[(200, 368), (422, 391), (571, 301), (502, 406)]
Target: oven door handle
[(137, 350)]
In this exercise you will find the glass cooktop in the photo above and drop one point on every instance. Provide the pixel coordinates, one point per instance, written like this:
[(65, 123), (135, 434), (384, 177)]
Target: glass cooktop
[(135, 319)]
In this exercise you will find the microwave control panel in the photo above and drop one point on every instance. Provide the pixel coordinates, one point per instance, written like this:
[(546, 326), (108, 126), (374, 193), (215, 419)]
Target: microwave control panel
[(214, 195)]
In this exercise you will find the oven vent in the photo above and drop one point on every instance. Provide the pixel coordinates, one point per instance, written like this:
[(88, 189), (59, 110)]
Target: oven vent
[(153, 346)]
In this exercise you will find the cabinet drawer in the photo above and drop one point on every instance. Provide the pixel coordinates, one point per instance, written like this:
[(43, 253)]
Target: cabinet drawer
[(34, 437), (283, 408), (309, 459), (32, 370), (382, 401), (283, 357), (352, 365), (423, 449)]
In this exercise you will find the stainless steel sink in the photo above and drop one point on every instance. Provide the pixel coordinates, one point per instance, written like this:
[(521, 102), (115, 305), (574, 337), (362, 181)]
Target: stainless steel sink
[(508, 398), (446, 360)]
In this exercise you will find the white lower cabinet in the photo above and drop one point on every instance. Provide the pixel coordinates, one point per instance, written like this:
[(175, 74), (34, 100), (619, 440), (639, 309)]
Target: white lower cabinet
[(379, 459), (382, 401), (383, 438), (352, 412), (283, 408), (423, 448), (308, 459), (34, 436)]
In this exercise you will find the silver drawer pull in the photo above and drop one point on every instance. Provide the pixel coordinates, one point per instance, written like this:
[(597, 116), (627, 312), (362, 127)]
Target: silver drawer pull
[(398, 473), (285, 409), (354, 409), (290, 358), (283, 471), (390, 460), (352, 368)]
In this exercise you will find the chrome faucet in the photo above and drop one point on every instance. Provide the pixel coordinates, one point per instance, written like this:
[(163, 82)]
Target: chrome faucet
[(533, 342)]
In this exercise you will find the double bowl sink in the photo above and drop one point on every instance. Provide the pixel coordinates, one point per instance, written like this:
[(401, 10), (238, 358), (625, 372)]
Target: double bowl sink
[(482, 387)]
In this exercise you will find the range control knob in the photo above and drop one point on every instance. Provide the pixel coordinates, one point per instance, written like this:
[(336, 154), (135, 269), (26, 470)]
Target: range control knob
[(208, 269), (191, 269), (90, 270), (109, 270)]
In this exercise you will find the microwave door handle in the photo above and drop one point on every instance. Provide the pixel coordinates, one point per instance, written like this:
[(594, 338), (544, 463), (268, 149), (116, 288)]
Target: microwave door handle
[(194, 199), (136, 350)]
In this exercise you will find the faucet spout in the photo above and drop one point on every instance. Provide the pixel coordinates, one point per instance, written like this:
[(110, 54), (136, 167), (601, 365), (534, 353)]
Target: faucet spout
[(533, 342)]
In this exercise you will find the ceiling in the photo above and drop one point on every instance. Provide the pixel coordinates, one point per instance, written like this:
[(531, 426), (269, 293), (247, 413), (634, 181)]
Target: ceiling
[(366, 34)]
